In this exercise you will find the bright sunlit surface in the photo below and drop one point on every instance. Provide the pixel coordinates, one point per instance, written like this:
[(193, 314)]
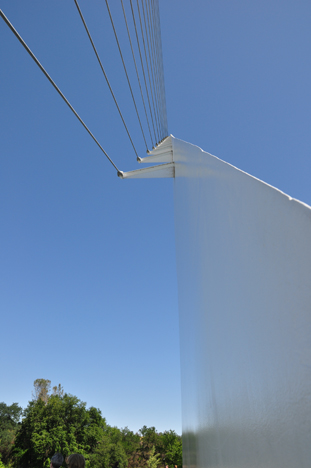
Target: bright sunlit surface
[(244, 278)]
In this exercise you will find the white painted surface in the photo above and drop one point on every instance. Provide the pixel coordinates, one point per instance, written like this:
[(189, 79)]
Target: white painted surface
[(162, 154), (152, 172), (244, 279)]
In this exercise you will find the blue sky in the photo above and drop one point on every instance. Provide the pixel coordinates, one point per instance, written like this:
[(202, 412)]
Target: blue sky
[(88, 289)]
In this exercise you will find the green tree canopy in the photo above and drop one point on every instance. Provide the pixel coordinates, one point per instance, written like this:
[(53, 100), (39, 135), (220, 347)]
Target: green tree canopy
[(62, 424), (9, 415), (110, 452), (153, 460), (172, 448), (9, 418)]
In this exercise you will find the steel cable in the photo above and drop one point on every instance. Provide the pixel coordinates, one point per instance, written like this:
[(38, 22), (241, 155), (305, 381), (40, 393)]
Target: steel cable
[(142, 34), (125, 70), (161, 61), (102, 68), (142, 65), (141, 91), (155, 65), (152, 71)]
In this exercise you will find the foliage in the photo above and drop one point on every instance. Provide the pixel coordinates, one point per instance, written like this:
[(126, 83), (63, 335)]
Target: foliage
[(164, 448), (9, 415), (9, 418), (42, 389), (63, 424), (172, 448), (153, 461), (109, 452), (58, 390)]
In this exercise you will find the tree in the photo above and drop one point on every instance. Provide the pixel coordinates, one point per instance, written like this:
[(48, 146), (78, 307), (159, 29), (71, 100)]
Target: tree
[(172, 446), (9, 418), (41, 390), (9, 415), (58, 390), (62, 424), (149, 438), (109, 452), (130, 440), (131, 444), (153, 461), (167, 444)]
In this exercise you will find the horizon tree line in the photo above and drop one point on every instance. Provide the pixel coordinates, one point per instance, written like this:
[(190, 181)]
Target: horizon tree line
[(55, 421)]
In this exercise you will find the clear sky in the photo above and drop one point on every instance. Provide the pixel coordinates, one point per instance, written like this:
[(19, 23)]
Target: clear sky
[(88, 289)]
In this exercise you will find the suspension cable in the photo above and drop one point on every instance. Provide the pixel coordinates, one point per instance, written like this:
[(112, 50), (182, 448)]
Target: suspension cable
[(160, 54), (152, 71), (128, 80), (142, 33), (141, 91), (101, 66), (142, 65), (155, 68), (154, 56), (55, 86)]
